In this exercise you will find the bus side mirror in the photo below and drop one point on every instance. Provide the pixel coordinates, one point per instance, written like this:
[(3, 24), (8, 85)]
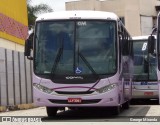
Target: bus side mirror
[(151, 44), (29, 46)]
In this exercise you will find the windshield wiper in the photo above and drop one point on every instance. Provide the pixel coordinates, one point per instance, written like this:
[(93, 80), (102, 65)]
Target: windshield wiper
[(88, 65), (58, 57)]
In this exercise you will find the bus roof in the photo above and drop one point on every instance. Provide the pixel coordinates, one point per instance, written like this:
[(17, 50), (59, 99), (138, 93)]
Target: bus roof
[(83, 14), (142, 37)]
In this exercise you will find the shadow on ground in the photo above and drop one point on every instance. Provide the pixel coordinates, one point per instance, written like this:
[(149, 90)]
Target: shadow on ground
[(144, 102), (97, 115), (90, 114)]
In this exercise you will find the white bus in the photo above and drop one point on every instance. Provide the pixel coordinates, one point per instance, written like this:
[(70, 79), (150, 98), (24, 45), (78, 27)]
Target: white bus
[(155, 51), (145, 84), (81, 59)]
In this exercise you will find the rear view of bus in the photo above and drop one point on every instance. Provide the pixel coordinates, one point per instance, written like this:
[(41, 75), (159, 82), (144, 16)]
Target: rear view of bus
[(80, 61), (145, 75)]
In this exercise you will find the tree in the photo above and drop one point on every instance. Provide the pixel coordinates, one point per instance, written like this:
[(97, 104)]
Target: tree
[(34, 10)]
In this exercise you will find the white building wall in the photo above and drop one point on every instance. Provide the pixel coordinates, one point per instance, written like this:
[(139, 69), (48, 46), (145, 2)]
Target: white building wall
[(147, 8), (116, 6), (132, 16), (83, 5), (11, 45)]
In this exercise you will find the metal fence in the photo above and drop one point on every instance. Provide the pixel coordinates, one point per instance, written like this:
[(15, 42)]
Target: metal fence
[(15, 78)]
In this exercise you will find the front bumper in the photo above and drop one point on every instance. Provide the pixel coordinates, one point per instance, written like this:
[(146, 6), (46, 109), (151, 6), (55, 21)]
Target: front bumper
[(109, 98), (144, 94)]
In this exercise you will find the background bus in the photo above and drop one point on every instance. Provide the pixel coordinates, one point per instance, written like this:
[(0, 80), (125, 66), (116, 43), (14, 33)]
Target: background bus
[(152, 42), (145, 76), (79, 60)]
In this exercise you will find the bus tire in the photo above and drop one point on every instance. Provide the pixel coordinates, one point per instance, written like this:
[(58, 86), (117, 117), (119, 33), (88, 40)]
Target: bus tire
[(51, 111), (126, 105), (116, 110)]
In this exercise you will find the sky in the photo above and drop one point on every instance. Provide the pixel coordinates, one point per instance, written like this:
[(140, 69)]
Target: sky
[(56, 5)]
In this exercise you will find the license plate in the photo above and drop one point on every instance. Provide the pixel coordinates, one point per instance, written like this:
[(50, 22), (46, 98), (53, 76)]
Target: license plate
[(74, 100), (148, 93)]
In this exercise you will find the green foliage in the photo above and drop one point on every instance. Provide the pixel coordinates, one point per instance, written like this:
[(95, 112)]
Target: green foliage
[(34, 10)]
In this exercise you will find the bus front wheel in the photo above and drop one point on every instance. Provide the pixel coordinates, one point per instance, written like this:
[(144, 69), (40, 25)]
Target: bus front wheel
[(51, 111), (126, 105), (116, 110)]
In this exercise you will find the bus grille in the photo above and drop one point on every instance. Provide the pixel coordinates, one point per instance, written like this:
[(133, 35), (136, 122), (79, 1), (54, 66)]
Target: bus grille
[(86, 92), (83, 101)]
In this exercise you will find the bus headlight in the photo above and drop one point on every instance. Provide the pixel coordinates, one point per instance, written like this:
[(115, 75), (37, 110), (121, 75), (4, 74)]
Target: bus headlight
[(106, 88), (42, 88)]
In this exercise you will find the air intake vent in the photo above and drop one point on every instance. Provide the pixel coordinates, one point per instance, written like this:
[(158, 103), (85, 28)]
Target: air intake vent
[(70, 93), (83, 101)]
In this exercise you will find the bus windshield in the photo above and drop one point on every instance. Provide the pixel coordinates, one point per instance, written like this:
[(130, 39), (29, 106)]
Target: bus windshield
[(144, 63), (84, 47)]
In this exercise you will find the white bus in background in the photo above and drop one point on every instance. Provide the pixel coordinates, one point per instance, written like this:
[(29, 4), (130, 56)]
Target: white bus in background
[(145, 84), (155, 51)]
